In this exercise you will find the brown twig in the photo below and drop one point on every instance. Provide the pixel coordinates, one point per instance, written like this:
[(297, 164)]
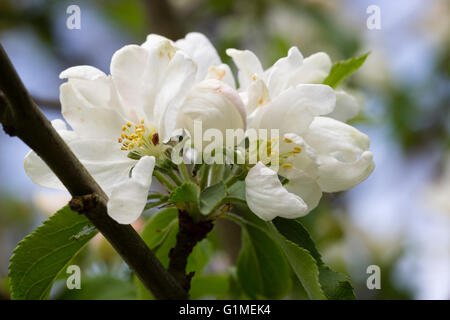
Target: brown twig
[(21, 117), (189, 234), (163, 19)]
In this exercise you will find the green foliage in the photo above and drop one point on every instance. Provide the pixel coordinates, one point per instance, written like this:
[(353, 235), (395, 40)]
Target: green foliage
[(262, 269), (342, 69), (43, 255), (209, 286), (101, 287), (335, 285), (158, 227), (305, 268), (187, 192), (211, 197)]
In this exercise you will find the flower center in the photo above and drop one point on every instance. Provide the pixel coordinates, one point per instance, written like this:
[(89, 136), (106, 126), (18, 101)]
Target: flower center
[(287, 156), (140, 140)]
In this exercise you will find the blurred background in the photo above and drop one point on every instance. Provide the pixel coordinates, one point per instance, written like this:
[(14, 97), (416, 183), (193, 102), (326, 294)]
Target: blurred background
[(398, 219)]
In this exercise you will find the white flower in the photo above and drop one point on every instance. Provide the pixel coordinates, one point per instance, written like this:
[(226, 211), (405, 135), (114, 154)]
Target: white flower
[(317, 153), (120, 121)]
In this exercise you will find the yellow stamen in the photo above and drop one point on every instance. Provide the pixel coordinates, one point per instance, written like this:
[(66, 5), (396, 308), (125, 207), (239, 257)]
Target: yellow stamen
[(287, 140), (287, 165), (297, 149)]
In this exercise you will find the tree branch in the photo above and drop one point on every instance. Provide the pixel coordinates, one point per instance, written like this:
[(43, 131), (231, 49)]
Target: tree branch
[(163, 19), (21, 117), (189, 234)]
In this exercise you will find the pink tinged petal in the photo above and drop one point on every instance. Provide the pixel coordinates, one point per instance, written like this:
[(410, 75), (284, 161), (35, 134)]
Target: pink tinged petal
[(248, 65), (336, 175), (315, 69), (347, 107), (267, 198), (199, 48), (128, 198)]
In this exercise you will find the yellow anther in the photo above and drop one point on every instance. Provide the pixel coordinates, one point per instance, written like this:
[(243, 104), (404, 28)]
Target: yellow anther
[(286, 165), (297, 149), (124, 128), (142, 121), (123, 148), (128, 124), (287, 140), (119, 140)]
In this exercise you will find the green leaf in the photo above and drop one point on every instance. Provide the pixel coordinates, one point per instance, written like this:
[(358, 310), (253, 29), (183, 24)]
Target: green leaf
[(237, 190), (305, 268), (211, 197), (187, 192), (342, 69), (301, 262), (294, 231), (334, 284), (200, 256), (158, 226), (262, 269), (101, 287), (43, 255), (208, 286)]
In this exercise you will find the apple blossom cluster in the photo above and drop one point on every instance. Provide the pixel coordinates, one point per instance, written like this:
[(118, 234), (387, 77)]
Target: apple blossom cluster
[(123, 125)]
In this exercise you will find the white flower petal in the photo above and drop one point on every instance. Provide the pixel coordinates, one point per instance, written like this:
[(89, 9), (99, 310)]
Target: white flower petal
[(128, 198), (102, 158), (200, 49), (155, 40), (292, 111), (248, 65), (258, 95), (178, 80), (267, 198), (347, 107), (306, 188), (223, 73), (154, 80), (215, 104), (335, 175), (88, 117), (280, 74), (82, 72), (137, 73), (315, 69), (331, 137)]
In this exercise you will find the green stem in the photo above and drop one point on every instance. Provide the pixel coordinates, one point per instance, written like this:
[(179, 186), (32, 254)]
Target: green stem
[(161, 178), (216, 174), (155, 196), (175, 178), (232, 180), (184, 171), (204, 176)]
